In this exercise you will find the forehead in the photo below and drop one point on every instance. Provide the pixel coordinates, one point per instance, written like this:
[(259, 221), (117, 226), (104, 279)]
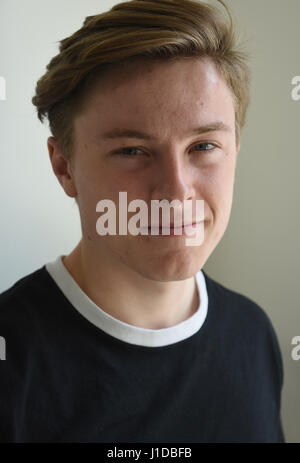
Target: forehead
[(157, 94)]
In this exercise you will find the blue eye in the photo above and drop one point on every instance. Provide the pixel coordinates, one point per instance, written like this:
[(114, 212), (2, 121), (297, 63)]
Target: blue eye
[(125, 152), (122, 152), (206, 144)]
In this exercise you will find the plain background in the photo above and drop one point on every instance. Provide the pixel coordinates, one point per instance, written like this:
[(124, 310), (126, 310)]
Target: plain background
[(259, 253)]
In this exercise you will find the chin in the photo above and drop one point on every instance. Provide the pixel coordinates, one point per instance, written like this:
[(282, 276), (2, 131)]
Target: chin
[(173, 266)]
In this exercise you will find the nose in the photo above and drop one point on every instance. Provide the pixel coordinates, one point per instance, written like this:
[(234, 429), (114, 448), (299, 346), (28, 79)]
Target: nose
[(174, 177), (174, 180)]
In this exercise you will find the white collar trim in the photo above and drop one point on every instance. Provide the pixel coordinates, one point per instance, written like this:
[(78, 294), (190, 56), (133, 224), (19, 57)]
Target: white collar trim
[(121, 330)]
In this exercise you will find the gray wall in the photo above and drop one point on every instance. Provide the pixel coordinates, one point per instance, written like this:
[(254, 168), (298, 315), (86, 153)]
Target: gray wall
[(259, 254)]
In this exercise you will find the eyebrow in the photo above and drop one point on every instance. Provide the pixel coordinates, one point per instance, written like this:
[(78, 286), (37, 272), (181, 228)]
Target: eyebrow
[(128, 133)]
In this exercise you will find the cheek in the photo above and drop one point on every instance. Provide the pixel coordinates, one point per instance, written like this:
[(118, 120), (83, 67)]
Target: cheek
[(94, 185), (219, 183)]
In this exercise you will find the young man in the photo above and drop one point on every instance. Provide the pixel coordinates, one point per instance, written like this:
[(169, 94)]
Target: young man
[(126, 339)]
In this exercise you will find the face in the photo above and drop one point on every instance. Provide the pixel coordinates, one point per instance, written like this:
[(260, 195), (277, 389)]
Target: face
[(167, 101)]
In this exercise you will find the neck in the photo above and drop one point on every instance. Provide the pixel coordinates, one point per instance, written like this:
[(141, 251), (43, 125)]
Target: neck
[(128, 296)]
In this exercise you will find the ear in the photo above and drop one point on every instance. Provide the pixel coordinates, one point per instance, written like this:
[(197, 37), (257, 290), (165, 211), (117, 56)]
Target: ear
[(61, 167)]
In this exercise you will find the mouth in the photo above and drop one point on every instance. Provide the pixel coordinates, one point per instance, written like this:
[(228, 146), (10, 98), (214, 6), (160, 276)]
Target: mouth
[(183, 230)]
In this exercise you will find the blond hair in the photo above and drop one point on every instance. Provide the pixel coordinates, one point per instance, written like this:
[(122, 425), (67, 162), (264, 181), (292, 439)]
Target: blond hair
[(148, 29)]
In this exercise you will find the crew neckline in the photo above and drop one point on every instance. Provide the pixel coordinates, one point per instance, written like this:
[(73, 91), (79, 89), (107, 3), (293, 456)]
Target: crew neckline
[(118, 329)]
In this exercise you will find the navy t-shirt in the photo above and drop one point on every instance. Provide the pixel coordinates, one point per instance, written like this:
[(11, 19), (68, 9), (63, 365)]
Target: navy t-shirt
[(69, 376)]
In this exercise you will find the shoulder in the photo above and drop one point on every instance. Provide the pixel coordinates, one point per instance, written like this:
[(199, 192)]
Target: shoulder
[(25, 309), (25, 286), (233, 305), (18, 302), (245, 322)]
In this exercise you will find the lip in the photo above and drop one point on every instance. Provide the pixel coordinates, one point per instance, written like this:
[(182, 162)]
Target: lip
[(182, 230), (172, 224)]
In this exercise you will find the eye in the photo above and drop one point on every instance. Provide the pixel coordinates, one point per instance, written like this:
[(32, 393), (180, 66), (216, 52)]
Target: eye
[(132, 151), (205, 145), (126, 152)]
